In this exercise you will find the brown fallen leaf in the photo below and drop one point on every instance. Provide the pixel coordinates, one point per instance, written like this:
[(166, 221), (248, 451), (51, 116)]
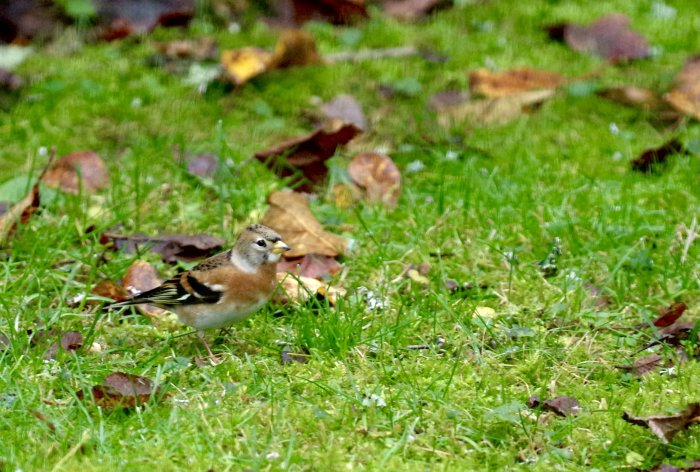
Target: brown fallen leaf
[(412, 9), (665, 427), (289, 357), (670, 314), (203, 165), (645, 162), (9, 82), (120, 18), (109, 289), (140, 277), (196, 48), (632, 96), (299, 289), (307, 155), (84, 168), (677, 332), (512, 82), (608, 37), (311, 265), (491, 110), (447, 98), (290, 216), (21, 211), (685, 96), (562, 406), (71, 341), (643, 365), (378, 175), (345, 108), (338, 12), (294, 48), (689, 466), (598, 298), (122, 390), (24, 20), (171, 247), (661, 113)]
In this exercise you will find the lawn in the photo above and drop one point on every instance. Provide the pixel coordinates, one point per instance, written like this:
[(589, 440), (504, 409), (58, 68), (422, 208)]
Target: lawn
[(432, 378)]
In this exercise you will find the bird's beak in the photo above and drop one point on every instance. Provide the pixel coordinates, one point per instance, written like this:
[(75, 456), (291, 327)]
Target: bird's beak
[(279, 247)]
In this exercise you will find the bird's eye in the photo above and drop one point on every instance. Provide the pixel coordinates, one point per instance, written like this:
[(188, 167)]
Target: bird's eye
[(260, 242)]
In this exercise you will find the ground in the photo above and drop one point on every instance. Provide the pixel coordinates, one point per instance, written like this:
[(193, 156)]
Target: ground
[(487, 204)]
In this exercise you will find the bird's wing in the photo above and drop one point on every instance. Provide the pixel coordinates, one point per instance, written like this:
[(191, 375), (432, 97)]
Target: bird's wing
[(214, 262), (184, 289)]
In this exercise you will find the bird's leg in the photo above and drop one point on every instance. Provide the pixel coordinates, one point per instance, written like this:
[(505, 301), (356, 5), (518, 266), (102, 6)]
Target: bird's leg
[(212, 358)]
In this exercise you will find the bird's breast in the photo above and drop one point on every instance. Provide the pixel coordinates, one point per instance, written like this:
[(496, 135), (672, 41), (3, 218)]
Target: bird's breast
[(217, 315)]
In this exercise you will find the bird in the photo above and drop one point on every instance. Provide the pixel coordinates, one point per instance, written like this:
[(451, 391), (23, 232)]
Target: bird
[(223, 289)]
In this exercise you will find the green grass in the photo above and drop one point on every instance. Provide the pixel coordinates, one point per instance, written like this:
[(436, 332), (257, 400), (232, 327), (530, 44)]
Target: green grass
[(364, 400)]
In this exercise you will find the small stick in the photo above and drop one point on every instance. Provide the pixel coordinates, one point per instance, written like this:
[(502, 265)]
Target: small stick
[(372, 54)]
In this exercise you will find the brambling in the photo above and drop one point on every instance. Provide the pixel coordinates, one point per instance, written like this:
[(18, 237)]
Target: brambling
[(223, 289)]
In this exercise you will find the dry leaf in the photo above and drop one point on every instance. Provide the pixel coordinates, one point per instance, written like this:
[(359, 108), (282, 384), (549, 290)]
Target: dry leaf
[(447, 98), (203, 165), (84, 168), (9, 81), (562, 406), (24, 20), (689, 466), (294, 48), (289, 357), (71, 341), (308, 154), (412, 9), (631, 96), (512, 82), (665, 427), (311, 265), (669, 315), (121, 390), (21, 211), (140, 277), (339, 12), (299, 289), (685, 96), (196, 48), (121, 18), (643, 366), (345, 108), (645, 162), (608, 37), (492, 110), (598, 298), (241, 65), (108, 289), (171, 247), (378, 175), (290, 216)]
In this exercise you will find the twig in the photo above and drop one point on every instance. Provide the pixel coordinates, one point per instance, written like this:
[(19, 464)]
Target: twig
[(691, 236), (372, 54)]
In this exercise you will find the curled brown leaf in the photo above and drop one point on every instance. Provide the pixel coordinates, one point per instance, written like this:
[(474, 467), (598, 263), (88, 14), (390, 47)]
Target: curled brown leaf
[(378, 175), (291, 217), (307, 155), (665, 427), (84, 168)]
